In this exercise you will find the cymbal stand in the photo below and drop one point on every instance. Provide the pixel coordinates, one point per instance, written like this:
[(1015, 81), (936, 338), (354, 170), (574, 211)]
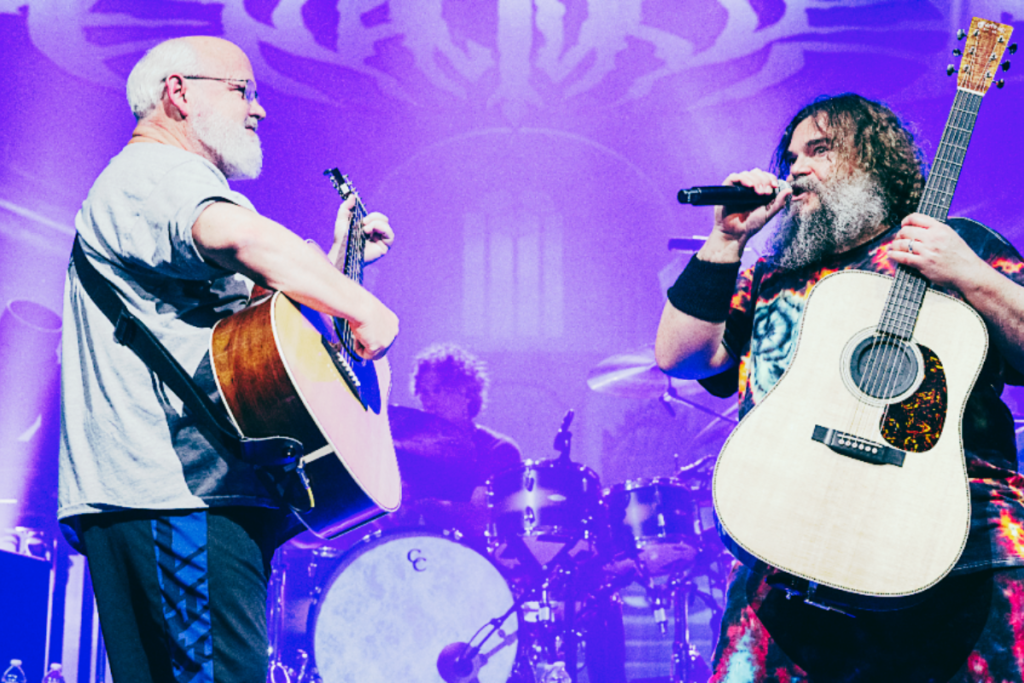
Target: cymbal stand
[(671, 394), (552, 634), (682, 590), (279, 671), (562, 565)]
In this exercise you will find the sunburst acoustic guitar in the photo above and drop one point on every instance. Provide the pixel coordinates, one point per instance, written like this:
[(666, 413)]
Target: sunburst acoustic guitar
[(850, 473), (281, 370)]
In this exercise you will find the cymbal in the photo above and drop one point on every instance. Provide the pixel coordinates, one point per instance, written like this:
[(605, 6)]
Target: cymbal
[(426, 435), (637, 375), (630, 375)]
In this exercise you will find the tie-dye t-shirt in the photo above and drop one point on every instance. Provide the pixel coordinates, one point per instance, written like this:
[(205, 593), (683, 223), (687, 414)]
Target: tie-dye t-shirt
[(761, 332)]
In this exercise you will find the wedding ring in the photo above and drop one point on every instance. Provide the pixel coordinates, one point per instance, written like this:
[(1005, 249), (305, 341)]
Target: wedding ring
[(910, 246)]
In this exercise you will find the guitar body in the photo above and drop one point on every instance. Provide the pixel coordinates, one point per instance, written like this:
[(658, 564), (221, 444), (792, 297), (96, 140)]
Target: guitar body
[(277, 378), (797, 504)]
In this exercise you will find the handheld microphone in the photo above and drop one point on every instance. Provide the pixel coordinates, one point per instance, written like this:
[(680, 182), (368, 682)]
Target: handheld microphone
[(728, 195)]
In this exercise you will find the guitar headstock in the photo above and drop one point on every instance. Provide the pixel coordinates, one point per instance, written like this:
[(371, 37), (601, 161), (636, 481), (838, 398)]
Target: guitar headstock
[(341, 183), (987, 41)]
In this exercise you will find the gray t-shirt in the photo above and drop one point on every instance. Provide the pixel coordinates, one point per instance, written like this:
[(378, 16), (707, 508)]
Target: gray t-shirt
[(126, 439)]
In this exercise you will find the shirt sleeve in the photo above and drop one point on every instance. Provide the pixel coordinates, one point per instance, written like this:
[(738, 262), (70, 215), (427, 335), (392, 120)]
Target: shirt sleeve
[(1001, 255), (738, 327), (163, 239)]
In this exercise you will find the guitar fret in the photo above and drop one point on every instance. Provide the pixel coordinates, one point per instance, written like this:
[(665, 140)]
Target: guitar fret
[(353, 267)]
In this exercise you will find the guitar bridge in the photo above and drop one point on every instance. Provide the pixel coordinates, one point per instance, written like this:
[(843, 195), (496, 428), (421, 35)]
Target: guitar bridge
[(344, 367), (858, 448)]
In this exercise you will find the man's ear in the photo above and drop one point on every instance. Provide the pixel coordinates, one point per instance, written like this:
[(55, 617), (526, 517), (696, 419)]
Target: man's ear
[(175, 98)]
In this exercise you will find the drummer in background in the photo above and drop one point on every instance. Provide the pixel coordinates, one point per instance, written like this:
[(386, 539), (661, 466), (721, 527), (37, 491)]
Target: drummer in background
[(448, 457)]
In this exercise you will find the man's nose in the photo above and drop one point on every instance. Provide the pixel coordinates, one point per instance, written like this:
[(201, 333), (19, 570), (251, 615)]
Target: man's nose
[(799, 167), (256, 109)]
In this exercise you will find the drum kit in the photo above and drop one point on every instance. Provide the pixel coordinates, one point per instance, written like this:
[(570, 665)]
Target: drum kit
[(532, 599)]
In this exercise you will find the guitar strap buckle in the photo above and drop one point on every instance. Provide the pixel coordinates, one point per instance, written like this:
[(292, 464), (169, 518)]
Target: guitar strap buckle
[(271, 451), (803, 590), (124, 330)]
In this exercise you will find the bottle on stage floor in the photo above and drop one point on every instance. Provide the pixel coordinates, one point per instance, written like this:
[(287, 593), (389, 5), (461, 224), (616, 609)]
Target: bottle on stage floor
[(14, 673), (55, 674)]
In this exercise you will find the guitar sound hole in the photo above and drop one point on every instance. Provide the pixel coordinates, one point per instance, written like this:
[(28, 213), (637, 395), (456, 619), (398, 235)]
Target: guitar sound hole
[(883, 368)]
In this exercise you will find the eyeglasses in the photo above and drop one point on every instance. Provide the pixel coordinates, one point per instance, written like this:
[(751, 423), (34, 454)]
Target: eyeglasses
[(249, 92)]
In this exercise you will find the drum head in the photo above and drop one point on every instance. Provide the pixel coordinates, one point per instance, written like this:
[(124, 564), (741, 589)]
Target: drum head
[(395, 604)]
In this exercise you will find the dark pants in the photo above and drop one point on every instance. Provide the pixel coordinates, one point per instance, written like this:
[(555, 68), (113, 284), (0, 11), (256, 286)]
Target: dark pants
[(182, 594), (968, 628)]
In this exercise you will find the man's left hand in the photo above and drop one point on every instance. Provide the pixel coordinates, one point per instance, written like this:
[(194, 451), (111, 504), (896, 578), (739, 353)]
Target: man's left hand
[(936, 251), (379, 235)]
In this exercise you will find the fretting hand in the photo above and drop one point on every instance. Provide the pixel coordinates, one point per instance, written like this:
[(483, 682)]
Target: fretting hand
[(379, 235)]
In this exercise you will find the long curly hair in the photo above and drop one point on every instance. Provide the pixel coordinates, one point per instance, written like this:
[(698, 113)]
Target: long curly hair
[(869, 136), (455, 366)]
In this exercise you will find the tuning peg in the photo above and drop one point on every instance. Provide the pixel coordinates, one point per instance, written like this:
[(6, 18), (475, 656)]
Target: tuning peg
[(957, 52), (1000, 83), (1005, 65), (1012, 49), (950, 70), (961, 34)]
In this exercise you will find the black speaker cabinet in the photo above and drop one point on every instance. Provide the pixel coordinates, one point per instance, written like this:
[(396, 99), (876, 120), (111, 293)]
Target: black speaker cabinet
[(24, 600)]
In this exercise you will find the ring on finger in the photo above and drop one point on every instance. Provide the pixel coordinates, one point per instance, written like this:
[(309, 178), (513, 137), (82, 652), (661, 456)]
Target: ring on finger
[(910, 246)]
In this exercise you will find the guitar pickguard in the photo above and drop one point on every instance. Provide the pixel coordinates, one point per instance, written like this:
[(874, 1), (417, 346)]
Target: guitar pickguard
[(915, 423)]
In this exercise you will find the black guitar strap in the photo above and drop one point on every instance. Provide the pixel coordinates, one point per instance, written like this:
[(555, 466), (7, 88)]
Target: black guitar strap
[(129, 331)]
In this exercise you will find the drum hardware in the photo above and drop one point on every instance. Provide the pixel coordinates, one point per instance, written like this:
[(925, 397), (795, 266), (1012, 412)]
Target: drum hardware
[(678, 592), (282, 673), (672, 394), (419, 594), (550, 518), (554, 641), (279, 673), (553, 673), (655, 522), (459, 662)]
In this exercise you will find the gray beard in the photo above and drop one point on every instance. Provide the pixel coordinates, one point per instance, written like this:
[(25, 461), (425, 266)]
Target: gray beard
[(849, 209), (234, 152)]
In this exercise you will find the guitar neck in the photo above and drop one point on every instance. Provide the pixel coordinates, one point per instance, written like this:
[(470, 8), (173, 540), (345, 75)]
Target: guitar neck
[(355, 244), (986, 43), (938, 191), (907, 293)]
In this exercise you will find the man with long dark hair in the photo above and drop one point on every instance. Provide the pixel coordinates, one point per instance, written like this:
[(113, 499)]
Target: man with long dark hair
[(855, 179)]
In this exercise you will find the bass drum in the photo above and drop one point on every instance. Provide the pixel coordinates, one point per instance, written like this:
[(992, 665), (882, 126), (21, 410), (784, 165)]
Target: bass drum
[(403, 606)]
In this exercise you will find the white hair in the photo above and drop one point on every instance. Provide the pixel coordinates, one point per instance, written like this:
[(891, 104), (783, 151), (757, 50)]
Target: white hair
[(146, 81)]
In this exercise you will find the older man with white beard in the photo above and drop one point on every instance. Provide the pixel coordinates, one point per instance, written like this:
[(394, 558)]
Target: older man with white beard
[(177, 530), (855, 180)]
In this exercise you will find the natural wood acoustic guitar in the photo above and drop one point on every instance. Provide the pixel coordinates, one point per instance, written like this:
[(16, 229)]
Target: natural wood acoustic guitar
[(850, 474), (283, 370)]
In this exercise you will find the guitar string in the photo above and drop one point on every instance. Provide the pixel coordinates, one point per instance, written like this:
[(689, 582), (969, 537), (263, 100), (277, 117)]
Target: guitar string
[(935, 203), (886, 337), (911, 287), (354, 245), (903, 299), (908, 289), (936, 200), (880, 356), (354, 261), (906, 295)]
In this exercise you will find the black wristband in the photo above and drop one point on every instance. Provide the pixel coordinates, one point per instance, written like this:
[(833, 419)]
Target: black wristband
[(704, 289)]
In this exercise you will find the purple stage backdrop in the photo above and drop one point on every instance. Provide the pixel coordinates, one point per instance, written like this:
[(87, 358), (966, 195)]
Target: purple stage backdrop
[(528, 153)]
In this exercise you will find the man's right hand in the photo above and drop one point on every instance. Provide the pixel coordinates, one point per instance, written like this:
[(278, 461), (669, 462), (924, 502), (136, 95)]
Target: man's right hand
[(375, 331), (733, 229)]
